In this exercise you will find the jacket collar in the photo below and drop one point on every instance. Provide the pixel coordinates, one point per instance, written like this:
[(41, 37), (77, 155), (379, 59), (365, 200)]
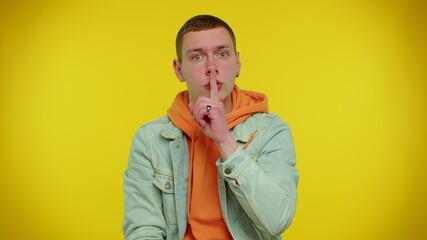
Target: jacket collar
[(170, 131), (242, 132)]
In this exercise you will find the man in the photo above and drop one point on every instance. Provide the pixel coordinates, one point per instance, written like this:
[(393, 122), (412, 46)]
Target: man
[(218, 166)]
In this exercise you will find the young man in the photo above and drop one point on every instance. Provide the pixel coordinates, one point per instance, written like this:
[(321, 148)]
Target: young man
[(218, 166)]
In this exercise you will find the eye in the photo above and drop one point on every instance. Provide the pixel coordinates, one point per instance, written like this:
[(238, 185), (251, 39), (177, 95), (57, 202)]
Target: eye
[(197, 57), (223, 54)]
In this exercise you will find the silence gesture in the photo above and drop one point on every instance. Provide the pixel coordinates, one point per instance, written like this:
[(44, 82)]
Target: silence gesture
[(210, 116)]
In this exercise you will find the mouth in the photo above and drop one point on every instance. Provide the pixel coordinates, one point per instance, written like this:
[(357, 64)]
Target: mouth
[(218, 83)]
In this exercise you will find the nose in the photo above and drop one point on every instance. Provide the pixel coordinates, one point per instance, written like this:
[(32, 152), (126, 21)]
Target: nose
[(212, 66)]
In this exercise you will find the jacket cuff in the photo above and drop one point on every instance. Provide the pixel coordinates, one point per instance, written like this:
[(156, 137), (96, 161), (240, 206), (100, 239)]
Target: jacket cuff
[(232, 168)]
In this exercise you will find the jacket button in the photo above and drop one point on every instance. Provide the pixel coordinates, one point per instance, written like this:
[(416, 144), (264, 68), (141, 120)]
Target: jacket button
[(168, 186), (228, 170)]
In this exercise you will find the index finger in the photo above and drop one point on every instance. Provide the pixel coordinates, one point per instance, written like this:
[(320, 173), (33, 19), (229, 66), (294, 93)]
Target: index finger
[(213, 86)]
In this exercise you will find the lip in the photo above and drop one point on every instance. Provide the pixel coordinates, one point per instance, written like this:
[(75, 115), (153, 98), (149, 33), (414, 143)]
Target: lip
[(218, 83)]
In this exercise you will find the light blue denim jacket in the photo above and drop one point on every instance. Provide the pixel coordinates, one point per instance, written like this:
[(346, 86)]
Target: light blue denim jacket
[(260, 206)]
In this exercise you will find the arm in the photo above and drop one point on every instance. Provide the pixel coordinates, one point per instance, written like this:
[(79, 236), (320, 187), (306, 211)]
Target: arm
[(265, 185), (143, 202)]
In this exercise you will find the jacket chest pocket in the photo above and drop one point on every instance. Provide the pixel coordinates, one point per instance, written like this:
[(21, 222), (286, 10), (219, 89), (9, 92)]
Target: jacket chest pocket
[(166, 184)]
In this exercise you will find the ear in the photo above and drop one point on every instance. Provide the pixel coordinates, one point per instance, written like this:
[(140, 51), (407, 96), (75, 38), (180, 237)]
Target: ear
[(239, 64), (177, 68)]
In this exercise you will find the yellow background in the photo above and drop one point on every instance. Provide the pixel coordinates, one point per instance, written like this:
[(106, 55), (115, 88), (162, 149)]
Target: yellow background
[(79, 77)]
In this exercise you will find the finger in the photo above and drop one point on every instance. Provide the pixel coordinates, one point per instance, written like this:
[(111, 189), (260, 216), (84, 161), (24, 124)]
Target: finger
[(199, 115), (196, 109), (213, 86)]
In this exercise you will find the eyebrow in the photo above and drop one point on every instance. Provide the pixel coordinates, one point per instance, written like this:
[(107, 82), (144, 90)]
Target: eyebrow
[(201, 49)]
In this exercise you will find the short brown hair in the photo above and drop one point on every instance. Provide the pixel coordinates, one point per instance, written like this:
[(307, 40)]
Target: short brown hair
[(200, 23)]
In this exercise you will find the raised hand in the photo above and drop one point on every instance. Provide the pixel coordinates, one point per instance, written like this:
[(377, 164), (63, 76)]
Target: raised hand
[(213, 122)]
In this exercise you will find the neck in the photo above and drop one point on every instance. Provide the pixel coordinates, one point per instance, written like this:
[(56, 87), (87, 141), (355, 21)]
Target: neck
[(228, 104)]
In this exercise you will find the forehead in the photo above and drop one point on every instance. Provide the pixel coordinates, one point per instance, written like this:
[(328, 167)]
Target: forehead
[(207, 39)]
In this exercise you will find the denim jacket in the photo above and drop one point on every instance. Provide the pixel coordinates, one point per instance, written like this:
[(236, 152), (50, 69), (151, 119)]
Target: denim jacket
[(257, 185)]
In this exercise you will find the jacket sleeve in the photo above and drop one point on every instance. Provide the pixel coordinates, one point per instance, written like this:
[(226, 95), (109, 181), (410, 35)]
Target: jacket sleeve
[(264, 178), (143, 218)]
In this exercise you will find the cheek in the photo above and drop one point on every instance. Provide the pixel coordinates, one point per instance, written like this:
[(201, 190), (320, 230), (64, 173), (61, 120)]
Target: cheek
[(191, 71), (230, 68)]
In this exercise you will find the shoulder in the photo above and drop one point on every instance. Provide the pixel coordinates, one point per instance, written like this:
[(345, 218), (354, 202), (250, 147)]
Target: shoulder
[(159, 122), (262, 123), (154, 127), (160, 129), (265, 119)]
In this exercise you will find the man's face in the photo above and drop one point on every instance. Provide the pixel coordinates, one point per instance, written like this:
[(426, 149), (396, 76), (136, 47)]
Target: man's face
[(206, 52)]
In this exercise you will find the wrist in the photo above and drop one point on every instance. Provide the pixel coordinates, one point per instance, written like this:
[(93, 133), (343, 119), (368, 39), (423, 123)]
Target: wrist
[(227, 147)]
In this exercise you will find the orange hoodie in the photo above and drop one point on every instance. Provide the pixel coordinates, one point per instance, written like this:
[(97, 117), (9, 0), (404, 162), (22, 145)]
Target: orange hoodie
[(205, 220)]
